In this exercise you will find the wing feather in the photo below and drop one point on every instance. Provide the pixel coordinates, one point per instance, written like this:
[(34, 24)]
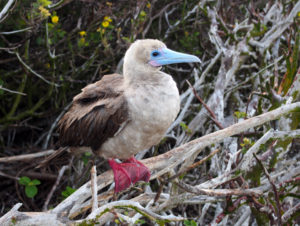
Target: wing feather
[(97, 113)]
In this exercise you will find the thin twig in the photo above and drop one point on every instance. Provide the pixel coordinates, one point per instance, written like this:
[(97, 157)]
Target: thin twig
[(56, 4), (9, 176), (94, 188), (206, 106), (12, 91), (54, 124), (132, 205), (218, 192), (160, 190), (196, 164), (245, 164), (277, 29), (26, 156), (33, 72), (278, 208), (286, 216), (16, 31), (49, 196), (145, 31)]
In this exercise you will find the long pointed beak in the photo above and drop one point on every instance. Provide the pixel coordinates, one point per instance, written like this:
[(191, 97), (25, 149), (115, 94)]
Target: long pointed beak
[(168, 56)]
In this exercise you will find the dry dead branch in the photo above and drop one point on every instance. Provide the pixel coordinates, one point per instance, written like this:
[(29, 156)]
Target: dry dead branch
[(244, 52), (161, 164)]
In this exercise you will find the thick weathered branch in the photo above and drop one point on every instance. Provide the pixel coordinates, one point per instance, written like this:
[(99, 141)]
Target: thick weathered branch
[(163, 163)]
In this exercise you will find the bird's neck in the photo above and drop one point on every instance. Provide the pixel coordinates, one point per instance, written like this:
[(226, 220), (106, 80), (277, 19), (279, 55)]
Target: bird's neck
[(136, 75)]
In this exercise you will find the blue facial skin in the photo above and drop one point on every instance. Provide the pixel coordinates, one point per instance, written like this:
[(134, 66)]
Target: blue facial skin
[(166, 56)]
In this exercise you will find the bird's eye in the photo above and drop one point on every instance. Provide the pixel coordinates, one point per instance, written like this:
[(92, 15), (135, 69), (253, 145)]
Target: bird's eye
[(155, 53)]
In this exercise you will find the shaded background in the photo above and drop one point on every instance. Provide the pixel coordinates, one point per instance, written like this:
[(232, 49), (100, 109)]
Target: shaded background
[(48, 53)]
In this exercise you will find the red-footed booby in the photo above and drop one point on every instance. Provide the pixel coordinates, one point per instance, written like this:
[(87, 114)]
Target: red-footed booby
[(120, 116)]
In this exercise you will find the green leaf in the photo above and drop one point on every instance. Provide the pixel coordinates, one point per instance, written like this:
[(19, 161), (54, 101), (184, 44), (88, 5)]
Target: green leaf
[(44, 2), (64, 194), (291, 67), (31, 191), (24, 180), (185, 127), (68, 191), (61, 33), (35, 182)]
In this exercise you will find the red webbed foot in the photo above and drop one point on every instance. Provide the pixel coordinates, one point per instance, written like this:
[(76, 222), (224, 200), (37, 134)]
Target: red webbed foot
[(128, 172)]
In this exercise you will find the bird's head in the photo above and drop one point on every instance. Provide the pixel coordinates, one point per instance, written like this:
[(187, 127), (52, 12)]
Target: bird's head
[(148, 55)]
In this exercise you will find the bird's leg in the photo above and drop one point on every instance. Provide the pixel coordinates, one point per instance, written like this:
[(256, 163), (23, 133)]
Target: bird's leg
[(128, 172)]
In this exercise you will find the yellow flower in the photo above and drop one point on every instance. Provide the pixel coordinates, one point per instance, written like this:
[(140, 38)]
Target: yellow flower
[(148, 5), (298, 14), (107, 18), (105, 23), (82, 33), (45, 12), (109, 4), (100, 30), (55, 19), (246, 140)]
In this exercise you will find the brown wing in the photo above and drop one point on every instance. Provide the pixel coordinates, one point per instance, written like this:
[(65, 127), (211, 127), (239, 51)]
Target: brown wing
[(97, 113)]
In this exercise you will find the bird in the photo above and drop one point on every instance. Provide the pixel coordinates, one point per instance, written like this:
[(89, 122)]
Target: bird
[(121, 115)]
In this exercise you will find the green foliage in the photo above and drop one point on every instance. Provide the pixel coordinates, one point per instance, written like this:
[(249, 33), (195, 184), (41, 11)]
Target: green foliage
[(86, 157), (254, 175), (246, 144), (261, 218), (30, 186), (185, 127), (55, 33), (189, 41), (68, 191), (142, 15), (239, 114), (1, 85), (40, 10), (258, 30), (44, 2), (190, 223), (140, 222), (292, 61)]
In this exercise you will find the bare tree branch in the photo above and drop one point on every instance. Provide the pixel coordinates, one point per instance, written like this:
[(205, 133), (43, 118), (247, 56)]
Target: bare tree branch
[(5, 9)]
